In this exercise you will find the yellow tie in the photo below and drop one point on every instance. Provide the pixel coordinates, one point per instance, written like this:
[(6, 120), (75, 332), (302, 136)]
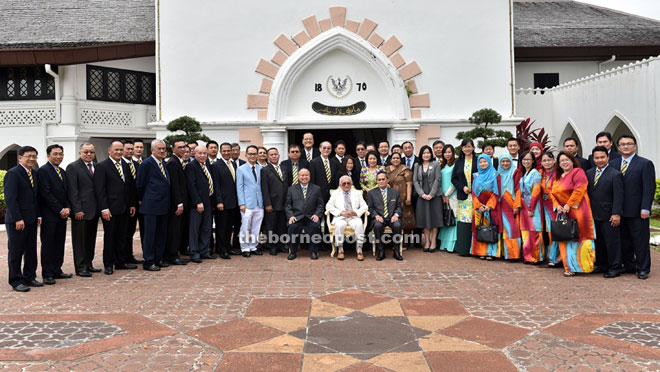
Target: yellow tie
[(327, 169), (30, 177), (231, 170), (386, 212), (184, 164), (597, 176), (59, 173), (121, 174), (160, 165), (130, 164), (279, 173), (304, 192), (208, 177), (624, 167), (295, 174)]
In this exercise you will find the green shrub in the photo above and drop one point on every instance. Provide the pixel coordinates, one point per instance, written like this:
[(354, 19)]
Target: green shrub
[(2, 187), (657, 191)]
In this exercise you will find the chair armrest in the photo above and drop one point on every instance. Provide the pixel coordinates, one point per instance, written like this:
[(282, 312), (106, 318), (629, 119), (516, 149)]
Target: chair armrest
[(327, 218)]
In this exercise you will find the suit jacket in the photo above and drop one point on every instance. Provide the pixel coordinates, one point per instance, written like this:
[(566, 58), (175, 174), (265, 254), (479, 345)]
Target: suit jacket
[(178, 184), (638, 185), (318, 177), (299, 207), (458, 177), (358, 166), (198, 185), (315, 153), (112, 192), (613, 155), (376, 206), (336, 204), (387, 160), (225, 185), (288, 165), (607, 196), (80, 190), (153, 188), (247, 189), (273, 189), (584, 163), (433, 173), (21, 198), (239, 161), (52, 193), (415, 161)]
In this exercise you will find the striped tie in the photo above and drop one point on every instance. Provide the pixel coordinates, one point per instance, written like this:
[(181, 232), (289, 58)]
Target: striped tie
[(184, 164), (295, 174), (279, 173), (597, 176), (130, 164), (30, 177), (327, 170), (121, 174), (160, 165), (624, 167), (309, 156), (231, 170), (59, 173), (304, 188), (208, 177), (386, 212)]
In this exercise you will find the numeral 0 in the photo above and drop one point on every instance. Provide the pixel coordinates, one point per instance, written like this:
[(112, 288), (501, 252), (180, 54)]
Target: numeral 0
[(361, 86)]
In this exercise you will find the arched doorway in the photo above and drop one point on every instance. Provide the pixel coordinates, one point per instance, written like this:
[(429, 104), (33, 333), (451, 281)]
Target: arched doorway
[(618, 127), (569, 131), (9, 157)]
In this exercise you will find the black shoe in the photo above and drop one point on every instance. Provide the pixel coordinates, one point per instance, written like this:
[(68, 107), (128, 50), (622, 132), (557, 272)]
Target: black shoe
[(433, 250), (134, 260), (397, 256), (246, 254), (273, 252), (21, 288), (162, 264), (34, 283), (315, 256), (63, 276), (125, 267), (599, 270), (108, 270), (209, 257), (178, 261), (234, 252), (426, 250), (257, 253), (152, 268), (292, 256), (224, 256), (196, 260), (381, 255), (642, 275), (49, 280), (84, 274), (92, 269), (611, 274)]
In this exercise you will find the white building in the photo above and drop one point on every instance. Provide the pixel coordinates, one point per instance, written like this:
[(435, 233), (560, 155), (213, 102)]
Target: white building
[(260, 72)]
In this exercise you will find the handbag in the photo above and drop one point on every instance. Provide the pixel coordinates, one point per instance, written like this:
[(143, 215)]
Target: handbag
[(448, 217), (487, 233), (564, 229)]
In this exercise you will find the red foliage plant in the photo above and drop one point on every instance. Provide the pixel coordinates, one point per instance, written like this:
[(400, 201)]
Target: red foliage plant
[(526, 135)]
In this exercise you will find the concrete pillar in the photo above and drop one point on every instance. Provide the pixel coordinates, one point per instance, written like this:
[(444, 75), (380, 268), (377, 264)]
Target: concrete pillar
[(274, 137), (403, 132), (140, 116), (68, 101)]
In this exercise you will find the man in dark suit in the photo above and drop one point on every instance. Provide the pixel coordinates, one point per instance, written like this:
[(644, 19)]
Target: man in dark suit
[(153, 188), (21, 195), (138, 151), (383, 153), (116, 197), (571, 147), (294, 164), (438, 146), (226, 213), (639, 190), (309, 152), (178, 204), (361, 156), (133, 221), (409, 159), (605, 139), (55, 210), (606, 196), (235, 154), (340, 152), (84, 209), (323, 171), (274, 185), (304, 209), (201, 192), (385, 205)]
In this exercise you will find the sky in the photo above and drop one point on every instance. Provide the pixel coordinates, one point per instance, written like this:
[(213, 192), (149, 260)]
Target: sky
[(646, 8)]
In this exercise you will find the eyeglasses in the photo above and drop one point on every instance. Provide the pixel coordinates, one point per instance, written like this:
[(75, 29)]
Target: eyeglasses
[(89, 152), (251, 154), (294, 151), (345, 183), (626, 144)]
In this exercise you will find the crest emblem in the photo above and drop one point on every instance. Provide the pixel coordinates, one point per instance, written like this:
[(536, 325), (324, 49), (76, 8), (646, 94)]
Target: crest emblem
[(339, 87)]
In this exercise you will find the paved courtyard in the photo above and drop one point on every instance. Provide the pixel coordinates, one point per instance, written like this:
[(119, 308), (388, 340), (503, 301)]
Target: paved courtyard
[(430, 312)]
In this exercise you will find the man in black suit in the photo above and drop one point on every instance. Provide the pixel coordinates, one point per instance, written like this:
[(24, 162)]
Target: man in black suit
[(201, 192), (605, 139), (571, 147), (384, 153), (323, 171), (304, 209), (438, 146), (340, 152), (84, 209), (639, 190), (116, 197), (409, 159), (309, 152), (606, 196), (138, 151), (235, 155), (22, 217), (294, 164), (55, 210), (274, 185), (385, 205), (226, 213), (361, 156), (133, 220), (179, 203)]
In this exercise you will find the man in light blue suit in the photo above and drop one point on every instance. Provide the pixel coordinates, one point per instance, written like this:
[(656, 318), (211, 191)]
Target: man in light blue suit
[(250, 201), (153, 185)]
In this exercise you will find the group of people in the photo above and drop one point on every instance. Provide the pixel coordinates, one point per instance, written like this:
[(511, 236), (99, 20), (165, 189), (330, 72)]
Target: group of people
[(435, 194)]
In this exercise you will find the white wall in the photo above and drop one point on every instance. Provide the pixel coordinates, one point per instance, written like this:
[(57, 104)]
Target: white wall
[(209, 53), (568, 71)]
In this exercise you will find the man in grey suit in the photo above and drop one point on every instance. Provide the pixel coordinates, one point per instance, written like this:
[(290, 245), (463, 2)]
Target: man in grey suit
[(274, 184), (80, 190), (385, 205), (304, 208)]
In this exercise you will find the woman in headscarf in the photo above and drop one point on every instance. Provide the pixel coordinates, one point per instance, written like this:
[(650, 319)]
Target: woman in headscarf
[(549, 213), (510, 241), (531, 216), (461, 178), (537, 149), (447, 234), (485, 190)]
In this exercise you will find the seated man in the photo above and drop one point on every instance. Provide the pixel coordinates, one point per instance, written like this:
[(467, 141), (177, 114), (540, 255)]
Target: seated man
[(304, 208), (347, 206), (385, 205)]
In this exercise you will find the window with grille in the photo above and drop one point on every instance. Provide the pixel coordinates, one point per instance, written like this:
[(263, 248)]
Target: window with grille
[(117, 85), (26, 83)]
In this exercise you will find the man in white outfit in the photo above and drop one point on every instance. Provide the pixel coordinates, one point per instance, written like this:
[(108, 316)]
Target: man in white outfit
[(347, 206)]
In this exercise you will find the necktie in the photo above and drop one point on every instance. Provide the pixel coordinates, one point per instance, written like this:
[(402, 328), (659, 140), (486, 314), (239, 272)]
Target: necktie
[(254, 173), (624, 167), (347, 201), (408, 161), (279, 173), (295, 174), (139, 160), (208, 178), (160, 165), (184, 164), (130, 164), (363, 164), (59, 173), (386, 212), (91, 170), (119, 170), (304, 188), (231, 170), (309, 156), (30, 177), (327, 170), (597, 176)]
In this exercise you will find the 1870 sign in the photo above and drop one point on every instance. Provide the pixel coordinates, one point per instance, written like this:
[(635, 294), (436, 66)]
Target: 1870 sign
[(339, 86)]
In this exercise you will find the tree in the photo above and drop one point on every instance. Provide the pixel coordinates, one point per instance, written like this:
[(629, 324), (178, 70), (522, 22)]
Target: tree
[(190, 126), (486, 116)]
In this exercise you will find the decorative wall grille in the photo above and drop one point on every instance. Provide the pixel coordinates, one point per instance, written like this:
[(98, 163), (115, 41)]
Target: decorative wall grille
[(25, 117), (103, 118)]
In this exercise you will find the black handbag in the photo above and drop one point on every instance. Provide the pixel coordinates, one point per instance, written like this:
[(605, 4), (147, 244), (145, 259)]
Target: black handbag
[(487, 233), (448, 217), (564, 229)]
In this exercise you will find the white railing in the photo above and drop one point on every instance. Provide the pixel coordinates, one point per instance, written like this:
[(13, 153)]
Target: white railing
[(26, 113), (99, 114)]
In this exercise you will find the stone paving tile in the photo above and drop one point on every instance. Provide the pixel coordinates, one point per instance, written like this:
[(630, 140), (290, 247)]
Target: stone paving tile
[(432, 307), (258, 362), (235, 334), (293, 307), (354, 299), (643, 333), (485, 332), (53, 334), (478, 361)]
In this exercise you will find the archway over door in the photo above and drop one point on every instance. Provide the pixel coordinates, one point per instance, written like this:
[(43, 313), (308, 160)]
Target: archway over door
[(618, 127), (9, 157), (570, 131)]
